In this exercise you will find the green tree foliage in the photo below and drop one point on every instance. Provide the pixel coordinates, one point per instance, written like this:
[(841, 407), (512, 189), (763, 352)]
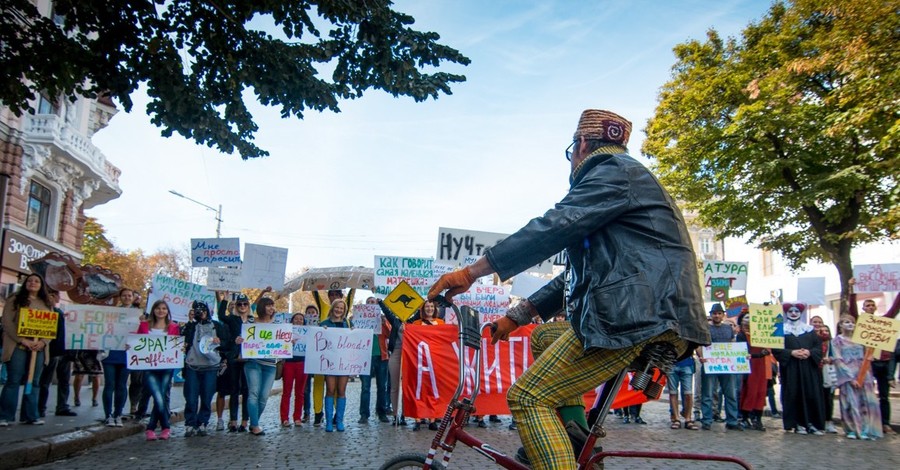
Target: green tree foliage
[(199, 59), (789, 134), (93, 241)]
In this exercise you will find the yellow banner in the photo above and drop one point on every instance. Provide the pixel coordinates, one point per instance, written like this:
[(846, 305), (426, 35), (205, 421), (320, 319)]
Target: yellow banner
[(876, 332), (766, 326), (37, 323)]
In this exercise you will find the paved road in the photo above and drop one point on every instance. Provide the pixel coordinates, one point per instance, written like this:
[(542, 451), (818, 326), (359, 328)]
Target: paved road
[(368, 446)]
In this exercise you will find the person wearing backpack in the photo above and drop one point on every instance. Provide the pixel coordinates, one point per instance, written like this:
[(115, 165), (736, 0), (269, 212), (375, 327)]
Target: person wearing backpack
[(202, 361)]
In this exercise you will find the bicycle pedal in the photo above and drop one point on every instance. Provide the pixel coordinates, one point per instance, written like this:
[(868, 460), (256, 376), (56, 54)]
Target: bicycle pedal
[(653, 390)]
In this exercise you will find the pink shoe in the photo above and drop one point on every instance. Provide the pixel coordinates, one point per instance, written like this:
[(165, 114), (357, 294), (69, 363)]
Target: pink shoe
[(151, 435), (165, 434)]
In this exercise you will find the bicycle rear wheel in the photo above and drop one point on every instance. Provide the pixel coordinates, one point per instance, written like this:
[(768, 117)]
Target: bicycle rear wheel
[(408, 462)]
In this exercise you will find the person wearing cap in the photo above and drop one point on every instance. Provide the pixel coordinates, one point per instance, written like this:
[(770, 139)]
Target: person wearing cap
[(631, 279), (720, 332), (232, 382), (202, 361)]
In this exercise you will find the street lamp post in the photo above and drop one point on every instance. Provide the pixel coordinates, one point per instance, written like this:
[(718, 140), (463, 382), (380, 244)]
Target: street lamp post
[(217, 211)]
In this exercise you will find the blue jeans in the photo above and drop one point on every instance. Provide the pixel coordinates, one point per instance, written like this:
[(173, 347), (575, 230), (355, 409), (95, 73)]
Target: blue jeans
[(681, 378), (115, 382), (307, 401), (710, 383), (259, 383), (158, 383), (199, 387), (17, 374), (378, 370)]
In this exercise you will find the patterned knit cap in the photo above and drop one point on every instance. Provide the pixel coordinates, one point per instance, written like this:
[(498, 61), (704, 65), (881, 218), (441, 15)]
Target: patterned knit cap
[(603, 125)]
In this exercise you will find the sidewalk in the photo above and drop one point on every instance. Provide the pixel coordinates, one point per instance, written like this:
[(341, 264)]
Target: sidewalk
[(23, 445)]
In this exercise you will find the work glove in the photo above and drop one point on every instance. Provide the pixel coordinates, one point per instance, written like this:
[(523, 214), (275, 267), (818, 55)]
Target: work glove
[(501, 329), (454, 283)]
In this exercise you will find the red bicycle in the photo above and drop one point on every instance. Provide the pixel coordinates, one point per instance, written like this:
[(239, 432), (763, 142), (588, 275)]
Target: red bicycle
[(451, 430)]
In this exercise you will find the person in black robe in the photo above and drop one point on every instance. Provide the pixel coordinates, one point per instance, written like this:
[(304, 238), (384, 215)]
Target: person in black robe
[(802, 404)]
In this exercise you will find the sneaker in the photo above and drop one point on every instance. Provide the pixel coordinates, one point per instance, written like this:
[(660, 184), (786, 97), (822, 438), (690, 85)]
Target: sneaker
[(220, 425), (318, 419), (232, 428), (851, 435), (800, 430), (285, 424), (66, 412), (165, 434), (305, 419), (494, 419), (417, 426), (94, 403), (363, 420), (718, 419), (481, 423), (887, 429), (829, 428), (151, 435), (201, 431), (706, 426), (38, 421), (117, 421), (513, 426), (242, 428), (734, 427), (4, 423), (189, 431), (639, 420), (433, 426), (815, 432), (863, 436), (109, 422), (384, 419)]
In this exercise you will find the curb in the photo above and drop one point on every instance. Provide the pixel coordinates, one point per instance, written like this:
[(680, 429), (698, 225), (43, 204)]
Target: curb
[(66, 444)]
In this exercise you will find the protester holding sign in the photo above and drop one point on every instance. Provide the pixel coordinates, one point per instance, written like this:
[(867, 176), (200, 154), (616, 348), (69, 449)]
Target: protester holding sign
[(395, 347), (232, 382), (428, 316), (158, 381), (318, 381), (20, 354), (259, 373), (202, 362), (59, 365), (753, 386), (293, 382), (860, 412), (336, 385), (824, 333), (379, 368), (138, 395), (801, 381)]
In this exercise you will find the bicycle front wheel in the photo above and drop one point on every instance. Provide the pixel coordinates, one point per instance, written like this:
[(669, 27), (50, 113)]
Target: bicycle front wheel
[(409, 462)]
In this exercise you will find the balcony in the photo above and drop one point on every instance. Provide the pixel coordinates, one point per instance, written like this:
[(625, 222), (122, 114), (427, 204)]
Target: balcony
[(68, 143)]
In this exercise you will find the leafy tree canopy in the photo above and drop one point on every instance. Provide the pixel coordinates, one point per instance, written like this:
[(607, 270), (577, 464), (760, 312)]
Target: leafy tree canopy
[(790, 133), (199, 58)]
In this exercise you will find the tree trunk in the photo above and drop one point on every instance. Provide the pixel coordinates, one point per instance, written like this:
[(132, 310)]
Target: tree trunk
[(842, 262)]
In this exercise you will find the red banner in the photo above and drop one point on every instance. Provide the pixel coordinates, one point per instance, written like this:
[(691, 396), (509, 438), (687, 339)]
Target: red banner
[(430, 371)]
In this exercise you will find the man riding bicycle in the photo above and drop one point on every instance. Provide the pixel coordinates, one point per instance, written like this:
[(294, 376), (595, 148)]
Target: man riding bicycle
[(631, 280)]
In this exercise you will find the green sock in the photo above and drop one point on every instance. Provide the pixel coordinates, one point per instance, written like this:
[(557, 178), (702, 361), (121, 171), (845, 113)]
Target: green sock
[(573, 413)]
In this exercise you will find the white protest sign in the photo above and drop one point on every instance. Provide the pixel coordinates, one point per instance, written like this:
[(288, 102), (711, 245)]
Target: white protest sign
[(311, 319), (263, 266), (215, 252), (343, 277), (224, 279), (267, 341), (390, 270), (338, 351), (367, 317), (734, 271), (154, 351), (299, 339), (491, 302), (96, 328), (877, 278), (179, 295), (455, 244), (811, 290), (726, 358)]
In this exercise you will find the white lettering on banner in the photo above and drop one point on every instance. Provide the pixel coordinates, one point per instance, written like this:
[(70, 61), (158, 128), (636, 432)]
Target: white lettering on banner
[(491, 369), (512, 355), (423, 356), (469, 378)]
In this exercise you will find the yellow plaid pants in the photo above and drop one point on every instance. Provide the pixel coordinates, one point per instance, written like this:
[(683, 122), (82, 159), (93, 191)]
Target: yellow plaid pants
[(561, 374)]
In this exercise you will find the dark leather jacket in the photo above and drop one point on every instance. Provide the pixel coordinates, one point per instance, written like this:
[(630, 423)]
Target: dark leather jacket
[(632, 272)]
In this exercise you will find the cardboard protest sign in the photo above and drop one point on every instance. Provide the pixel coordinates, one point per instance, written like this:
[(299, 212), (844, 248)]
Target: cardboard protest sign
[(726, 358), (343, 277), (224, 279), (367, 317), (338, 351), (455, 244), (154, 351), (267, 341), (215, 252), (734, 305), (872, 278), (391, 270), (876, 332), (298, 337), (732, 273), (94, 327), (311, 319), (491, 302), (263, 266), (37, 323), (179, 295), (766, 326)]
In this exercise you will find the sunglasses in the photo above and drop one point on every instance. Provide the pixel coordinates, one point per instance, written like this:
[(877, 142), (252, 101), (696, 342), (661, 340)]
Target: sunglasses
[(242, 304)]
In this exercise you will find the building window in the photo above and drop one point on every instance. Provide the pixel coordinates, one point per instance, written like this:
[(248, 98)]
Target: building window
[(38, 217), (706, 246), (47, 106)]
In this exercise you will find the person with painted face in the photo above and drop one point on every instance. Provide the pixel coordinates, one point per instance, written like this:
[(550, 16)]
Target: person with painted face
[(803, 406), (860, 411)]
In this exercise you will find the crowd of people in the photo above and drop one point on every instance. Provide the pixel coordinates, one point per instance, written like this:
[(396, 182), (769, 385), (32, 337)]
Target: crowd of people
[(213, 367)]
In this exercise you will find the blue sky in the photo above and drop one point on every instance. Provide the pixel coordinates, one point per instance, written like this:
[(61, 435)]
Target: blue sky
[(380, 177)]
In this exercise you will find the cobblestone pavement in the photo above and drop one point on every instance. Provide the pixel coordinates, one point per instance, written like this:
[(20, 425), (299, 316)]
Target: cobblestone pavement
[(367, 446)]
